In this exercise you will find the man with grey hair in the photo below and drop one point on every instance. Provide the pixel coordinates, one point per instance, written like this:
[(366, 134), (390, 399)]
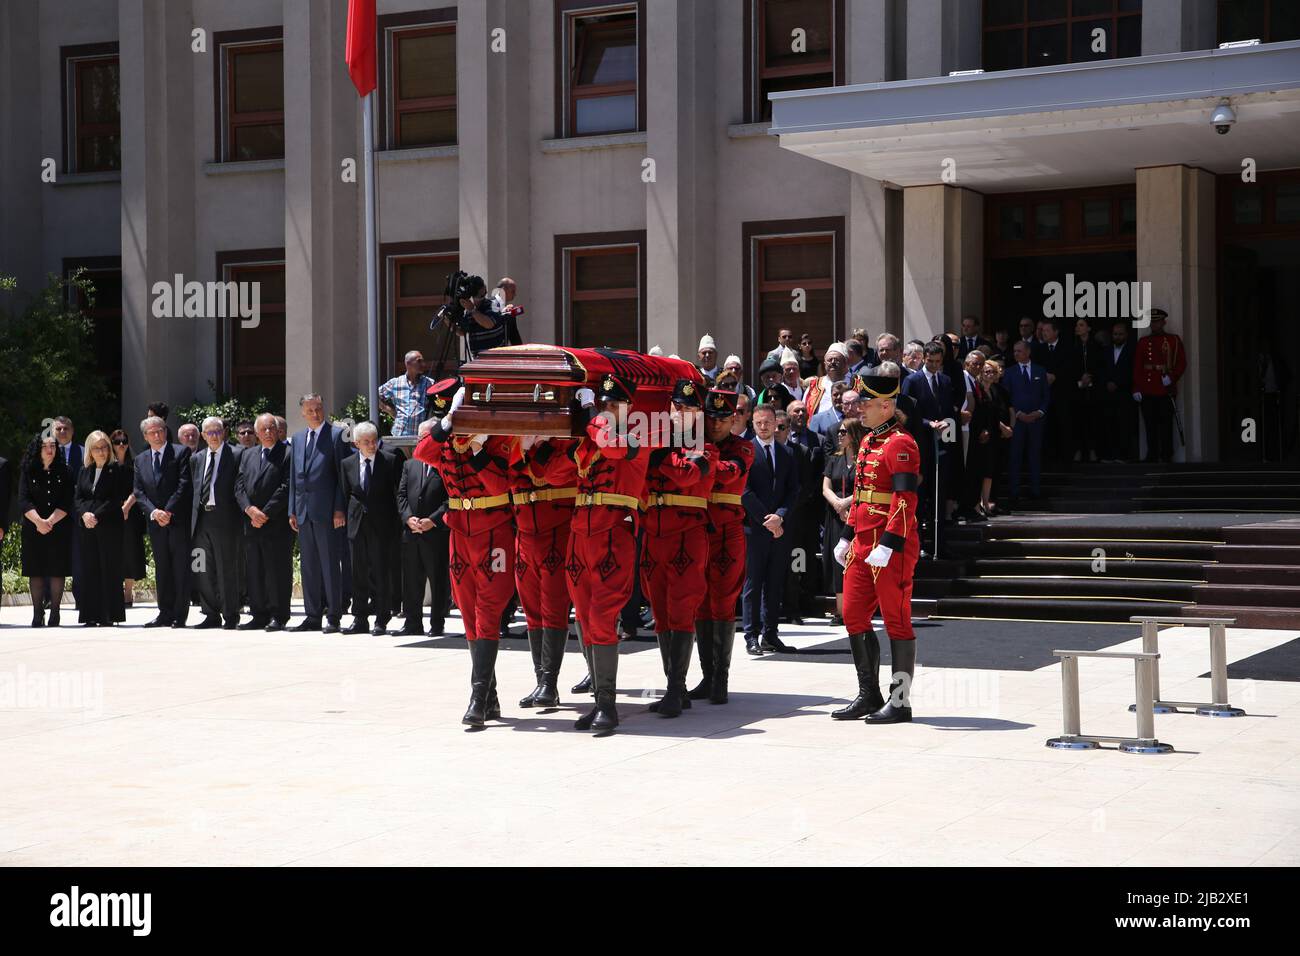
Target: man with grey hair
[(914, 355), (369, 481), (163, 494), (887, 344), (188, 435), (403, 397), (262, 493), (315, 510), (214, 527)]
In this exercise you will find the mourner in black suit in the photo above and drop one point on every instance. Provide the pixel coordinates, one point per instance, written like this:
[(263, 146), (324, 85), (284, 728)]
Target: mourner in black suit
[(1057, 358), (369, 481), (215, 524), (802, 585), (1120, 412), (970, 338), (164, 496), (422, 506), (103, 487), (262, 493), (6, 491), (771, 490)]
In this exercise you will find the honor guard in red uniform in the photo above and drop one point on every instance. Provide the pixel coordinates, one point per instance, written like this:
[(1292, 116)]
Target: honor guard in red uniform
[(474, 472), (1160, 363), (879, 551), (675, 540), (715, 621), (544, 487), (611, 467)]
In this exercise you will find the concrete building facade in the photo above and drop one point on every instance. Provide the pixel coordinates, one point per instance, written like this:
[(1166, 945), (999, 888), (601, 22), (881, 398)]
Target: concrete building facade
[(651, 211)]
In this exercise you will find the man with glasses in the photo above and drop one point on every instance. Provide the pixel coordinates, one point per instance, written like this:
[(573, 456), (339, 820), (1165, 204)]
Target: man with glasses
[(245, 434), (820, 390), (214, 527)]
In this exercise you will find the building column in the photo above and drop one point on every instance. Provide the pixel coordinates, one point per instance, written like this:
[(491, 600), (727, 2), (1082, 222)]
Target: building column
[(869, 41), (20, 148), (681, 299), (873, 238), (324, 255), (494, 150), (1176, 254), (158, 170), (943, 36), (1172, 26), (943, 259)]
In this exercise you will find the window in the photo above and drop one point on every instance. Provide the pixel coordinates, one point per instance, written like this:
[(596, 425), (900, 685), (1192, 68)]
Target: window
[(1031, 33), (792, 45), (415, 278), (603, 58), (795, 280), (253, 359), (93, 136), (251, 96), (1269, 21), (601, 301), (1098, 218), (105, 277), (419, 79)]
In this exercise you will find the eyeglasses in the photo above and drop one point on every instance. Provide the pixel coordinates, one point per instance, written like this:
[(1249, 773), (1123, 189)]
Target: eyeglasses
[(120, 441), (245, 431), (214, 434)]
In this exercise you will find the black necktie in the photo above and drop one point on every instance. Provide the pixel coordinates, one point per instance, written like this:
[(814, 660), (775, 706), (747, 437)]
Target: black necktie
[(771, 462), (311, 444), (365, 477), (264, 451), (206, 488), (157, 464)]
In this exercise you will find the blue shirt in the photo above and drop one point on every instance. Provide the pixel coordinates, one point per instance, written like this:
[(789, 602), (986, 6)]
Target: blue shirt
[(407, 400)]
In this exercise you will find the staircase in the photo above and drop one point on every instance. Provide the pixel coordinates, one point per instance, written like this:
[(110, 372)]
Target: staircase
[(1137, 542)]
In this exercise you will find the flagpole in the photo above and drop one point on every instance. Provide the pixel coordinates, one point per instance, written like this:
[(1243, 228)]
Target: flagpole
[(372, 256)]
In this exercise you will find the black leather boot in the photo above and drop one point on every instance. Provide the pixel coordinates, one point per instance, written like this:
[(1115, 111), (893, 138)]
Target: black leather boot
[(665, 642), (604, 666), (554, 640), (483, 659), (535, 646), (583, 686), (724, 637), (866, 661), (679, 661), (584, 722), (704, 643), (493, 702), (898, 709)]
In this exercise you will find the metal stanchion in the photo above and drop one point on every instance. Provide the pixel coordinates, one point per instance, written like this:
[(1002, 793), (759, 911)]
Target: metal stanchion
[(1218, 705), (1072, 737)]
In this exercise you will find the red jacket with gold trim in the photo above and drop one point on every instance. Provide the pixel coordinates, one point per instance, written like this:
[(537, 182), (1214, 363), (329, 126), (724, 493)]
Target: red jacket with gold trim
[(678, 472), (546, 472), (735, 457), (607, 464), (470, 476), (888, 470), (1158, 356)]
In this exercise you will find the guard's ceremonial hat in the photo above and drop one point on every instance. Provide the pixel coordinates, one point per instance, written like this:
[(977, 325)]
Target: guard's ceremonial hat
[(720, 403), (877, 386), (441, 392), (615, 389), (1159, 314), (687, 393)]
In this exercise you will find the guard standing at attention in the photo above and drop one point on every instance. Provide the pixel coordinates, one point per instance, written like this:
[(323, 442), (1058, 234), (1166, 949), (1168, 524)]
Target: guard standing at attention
[(1161, 362), (879, 549)]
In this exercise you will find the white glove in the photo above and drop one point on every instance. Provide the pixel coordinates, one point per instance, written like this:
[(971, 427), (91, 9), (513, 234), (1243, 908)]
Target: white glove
[(879, 556), (456, 400), (527, 442), (586, 397), (479, 440), (1137, 396), (1166, 381), (842, 551), (445, 424)]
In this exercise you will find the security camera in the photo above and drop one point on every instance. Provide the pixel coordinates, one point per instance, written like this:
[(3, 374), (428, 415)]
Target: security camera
[(1222, 119)]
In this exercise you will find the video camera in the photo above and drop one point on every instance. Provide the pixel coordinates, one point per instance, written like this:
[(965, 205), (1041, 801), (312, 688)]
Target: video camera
[(460, 285)]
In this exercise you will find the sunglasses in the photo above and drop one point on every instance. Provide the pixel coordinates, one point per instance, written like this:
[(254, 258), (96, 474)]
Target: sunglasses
[(120, 441), (245, 431)]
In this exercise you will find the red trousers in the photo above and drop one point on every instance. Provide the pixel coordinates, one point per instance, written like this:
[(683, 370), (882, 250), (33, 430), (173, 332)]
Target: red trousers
[(599, 572), (482, 568), (889, 588), (726, 573), (672, 576), (540, 578)]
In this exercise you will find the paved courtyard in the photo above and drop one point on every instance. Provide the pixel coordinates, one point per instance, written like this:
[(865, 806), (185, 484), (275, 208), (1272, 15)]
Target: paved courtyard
[(129, 746)]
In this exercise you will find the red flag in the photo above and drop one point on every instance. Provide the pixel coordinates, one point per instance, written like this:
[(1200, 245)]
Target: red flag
[(360, 50)]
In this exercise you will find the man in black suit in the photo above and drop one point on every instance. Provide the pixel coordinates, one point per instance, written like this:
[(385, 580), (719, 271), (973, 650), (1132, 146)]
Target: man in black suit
[(970, 337), (804, 584), (6, 490), (262, 493), (164, 495), (1057, 358), (1119, 411), (771, 490), (936, 429), (422, 506), (215, 526), (369, 482)]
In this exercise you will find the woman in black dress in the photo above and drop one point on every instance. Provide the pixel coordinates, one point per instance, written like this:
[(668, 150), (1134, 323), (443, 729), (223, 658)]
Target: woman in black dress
[(809, 363), (45, 501), (990, 429), (133, 531), (1086, 359), (837, 489), (102, 489)]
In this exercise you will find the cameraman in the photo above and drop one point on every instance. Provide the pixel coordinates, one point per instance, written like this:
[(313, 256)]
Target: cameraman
[(484, 324)]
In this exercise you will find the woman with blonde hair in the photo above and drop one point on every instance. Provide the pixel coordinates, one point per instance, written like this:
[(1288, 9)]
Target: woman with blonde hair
[(103, 487)]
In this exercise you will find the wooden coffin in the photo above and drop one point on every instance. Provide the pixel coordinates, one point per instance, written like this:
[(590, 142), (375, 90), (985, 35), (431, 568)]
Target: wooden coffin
[(530, 389), (521, 390)]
